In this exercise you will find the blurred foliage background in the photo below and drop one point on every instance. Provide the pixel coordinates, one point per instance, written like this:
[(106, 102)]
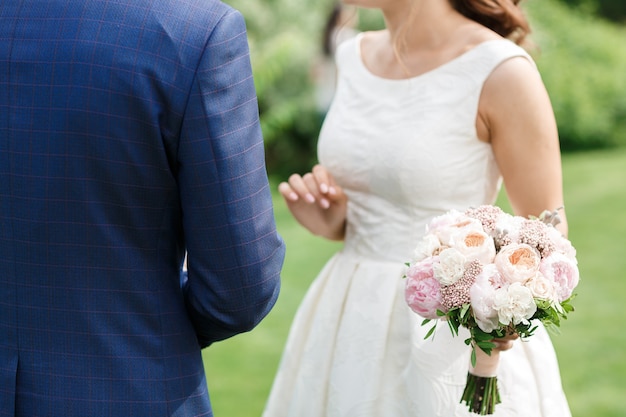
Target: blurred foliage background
[(581, 53), (580, 50)]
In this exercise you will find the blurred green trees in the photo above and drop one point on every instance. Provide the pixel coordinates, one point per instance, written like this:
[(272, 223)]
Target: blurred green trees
[(582, 59), (610, 9), (284, 37)]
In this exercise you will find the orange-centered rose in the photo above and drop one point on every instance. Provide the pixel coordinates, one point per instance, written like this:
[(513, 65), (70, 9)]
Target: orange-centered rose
[(475, 244), (517, 263), (474, 239), (522, 257)]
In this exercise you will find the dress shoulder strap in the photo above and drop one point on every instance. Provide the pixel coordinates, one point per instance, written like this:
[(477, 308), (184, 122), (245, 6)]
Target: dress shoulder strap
[(490, 54), (348, 51)]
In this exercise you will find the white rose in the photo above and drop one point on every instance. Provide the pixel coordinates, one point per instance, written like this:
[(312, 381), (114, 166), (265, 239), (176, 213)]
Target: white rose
[(541, 288), (514, 304), (427, 247), (451, 266), (475, 244)]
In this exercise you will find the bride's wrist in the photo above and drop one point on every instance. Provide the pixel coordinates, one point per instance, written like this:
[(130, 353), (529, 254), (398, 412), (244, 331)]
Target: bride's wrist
[(486, 365), (336, 233)]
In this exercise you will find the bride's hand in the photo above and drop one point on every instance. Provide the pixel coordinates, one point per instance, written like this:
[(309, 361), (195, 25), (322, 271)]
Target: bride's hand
[(316, 202), (486, 365), (506, 342)]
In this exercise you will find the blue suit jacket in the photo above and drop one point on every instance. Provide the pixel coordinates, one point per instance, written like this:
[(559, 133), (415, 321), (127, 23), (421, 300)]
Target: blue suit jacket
[(129, 134)]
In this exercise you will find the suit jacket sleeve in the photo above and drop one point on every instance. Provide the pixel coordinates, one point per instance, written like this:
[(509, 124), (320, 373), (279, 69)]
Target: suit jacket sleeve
[(234, 252)]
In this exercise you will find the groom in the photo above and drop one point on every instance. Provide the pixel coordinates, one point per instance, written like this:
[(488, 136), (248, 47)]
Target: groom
[(129, 136)]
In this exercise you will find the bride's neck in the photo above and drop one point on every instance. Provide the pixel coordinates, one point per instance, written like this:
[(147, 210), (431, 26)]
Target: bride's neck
[(425, 24)]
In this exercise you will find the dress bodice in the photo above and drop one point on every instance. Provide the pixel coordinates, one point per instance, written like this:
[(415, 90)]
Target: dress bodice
[(407, 150)]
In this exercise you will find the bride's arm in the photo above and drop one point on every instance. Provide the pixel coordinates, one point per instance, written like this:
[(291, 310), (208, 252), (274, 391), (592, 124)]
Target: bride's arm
[(516, 111), (521, 127)]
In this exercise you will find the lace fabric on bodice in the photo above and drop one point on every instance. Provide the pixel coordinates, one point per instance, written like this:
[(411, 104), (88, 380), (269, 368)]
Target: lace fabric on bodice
[(407, 150)]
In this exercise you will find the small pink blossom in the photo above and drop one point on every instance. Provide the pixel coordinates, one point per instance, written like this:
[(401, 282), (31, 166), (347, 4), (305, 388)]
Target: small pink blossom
[(422, 291), (487, 215), (563, 272), (458, 293), (535, 233)]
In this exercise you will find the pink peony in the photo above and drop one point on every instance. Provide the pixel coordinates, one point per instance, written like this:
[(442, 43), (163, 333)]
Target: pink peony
[(422, 291), (561, 243), (563, 272), (517, 262)]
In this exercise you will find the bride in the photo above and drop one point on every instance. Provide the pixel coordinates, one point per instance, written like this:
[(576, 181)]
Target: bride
[(430, 114)]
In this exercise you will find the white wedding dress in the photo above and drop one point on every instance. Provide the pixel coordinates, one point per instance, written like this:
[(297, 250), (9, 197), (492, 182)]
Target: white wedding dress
[(404, 151)]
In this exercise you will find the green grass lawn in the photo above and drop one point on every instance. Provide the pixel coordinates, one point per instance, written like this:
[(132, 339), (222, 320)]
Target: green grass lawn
[(592, 343)]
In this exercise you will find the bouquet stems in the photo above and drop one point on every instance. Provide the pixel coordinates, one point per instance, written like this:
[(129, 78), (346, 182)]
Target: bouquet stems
[(481, 388), (481, 394)]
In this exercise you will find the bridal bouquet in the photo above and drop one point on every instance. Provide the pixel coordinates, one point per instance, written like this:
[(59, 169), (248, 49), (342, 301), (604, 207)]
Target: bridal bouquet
[(494, 274)]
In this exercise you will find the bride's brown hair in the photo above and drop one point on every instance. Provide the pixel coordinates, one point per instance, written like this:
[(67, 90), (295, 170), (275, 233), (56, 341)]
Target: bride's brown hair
[(502, 16)]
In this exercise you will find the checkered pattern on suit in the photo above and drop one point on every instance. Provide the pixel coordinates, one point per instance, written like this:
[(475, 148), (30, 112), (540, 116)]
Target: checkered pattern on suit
[(129, 134)]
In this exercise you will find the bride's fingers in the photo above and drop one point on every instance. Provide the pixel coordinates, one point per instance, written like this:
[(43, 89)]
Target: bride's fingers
[(508, 337), (504, 343), (314, 188), (301, 187), (326, 184), (323, 178), (287, 192)]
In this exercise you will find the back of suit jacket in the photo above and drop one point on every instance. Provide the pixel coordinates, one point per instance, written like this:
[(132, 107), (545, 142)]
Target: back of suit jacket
[(129, 134)]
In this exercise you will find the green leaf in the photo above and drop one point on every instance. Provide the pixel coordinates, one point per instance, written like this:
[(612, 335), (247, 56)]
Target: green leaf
[(430, 332), (464, 310), (479, 335), (486, 346)]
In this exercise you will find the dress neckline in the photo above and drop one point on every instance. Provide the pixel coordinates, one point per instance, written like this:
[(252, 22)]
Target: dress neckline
[(426, 74)]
